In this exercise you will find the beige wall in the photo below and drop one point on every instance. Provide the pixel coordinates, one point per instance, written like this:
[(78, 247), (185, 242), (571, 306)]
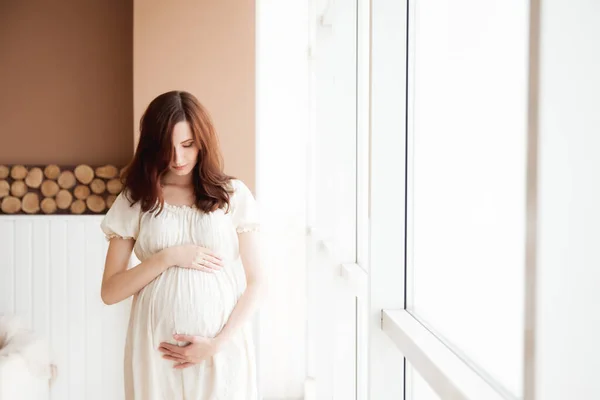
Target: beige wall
[(206, 48), (66, 82)]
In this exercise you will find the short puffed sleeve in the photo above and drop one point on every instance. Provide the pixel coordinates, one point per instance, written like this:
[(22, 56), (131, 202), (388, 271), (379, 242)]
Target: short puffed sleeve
[(122, 219), (244, 208)]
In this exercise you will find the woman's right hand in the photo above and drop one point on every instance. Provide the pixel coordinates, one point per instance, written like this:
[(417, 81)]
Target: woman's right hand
[(194, 257)]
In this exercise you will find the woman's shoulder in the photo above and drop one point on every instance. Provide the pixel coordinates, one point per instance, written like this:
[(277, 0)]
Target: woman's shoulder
[(236, 185), (122, 218), (245, 210), (124, 199), (239, 188)]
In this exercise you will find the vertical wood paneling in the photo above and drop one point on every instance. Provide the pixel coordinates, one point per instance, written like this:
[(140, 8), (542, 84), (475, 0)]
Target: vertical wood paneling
[(41, 276), (76, 304), (50, 277), (59, 333), (7, 263), (113, 342), (41, 279), (95, 253), (23, 278)]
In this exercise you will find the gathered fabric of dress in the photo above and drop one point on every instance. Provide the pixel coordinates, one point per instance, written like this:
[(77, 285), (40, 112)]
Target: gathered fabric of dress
[(186, 301)]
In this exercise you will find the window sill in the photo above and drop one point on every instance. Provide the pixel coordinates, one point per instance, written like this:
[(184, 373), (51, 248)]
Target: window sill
[(448, 375)]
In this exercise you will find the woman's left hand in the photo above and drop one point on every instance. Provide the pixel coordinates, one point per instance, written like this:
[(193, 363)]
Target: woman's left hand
[(197, 350)]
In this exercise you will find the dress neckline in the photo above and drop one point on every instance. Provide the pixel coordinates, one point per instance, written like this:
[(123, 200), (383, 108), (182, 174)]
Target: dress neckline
[(180, 206)]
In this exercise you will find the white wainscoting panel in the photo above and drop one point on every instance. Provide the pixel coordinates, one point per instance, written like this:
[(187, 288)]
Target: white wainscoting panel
[(50, 275)]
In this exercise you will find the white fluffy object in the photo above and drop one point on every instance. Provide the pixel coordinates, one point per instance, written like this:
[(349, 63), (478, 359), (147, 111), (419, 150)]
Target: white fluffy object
[(25, 369)]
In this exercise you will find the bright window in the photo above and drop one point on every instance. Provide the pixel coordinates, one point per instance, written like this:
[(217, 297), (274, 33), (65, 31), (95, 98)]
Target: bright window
[(466, 179)]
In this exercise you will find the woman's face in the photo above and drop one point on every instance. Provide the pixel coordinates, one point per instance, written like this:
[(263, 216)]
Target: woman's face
[(185, 151)]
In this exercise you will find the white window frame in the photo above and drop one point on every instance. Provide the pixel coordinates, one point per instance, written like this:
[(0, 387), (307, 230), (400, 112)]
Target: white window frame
[(392, 333), (449, 375), (351, 273)]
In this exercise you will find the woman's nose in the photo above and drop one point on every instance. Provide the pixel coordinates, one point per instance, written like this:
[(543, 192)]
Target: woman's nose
[(177, 157)]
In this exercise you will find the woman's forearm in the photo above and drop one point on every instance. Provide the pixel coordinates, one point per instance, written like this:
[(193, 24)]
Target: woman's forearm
[(256, 287), (127, 283), (243, 311)]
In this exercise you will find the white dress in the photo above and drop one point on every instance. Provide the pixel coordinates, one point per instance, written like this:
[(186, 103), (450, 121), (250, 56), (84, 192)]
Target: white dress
[(186, 301)]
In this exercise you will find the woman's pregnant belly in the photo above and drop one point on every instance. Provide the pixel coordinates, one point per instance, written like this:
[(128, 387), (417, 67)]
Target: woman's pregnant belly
[(189, 302)]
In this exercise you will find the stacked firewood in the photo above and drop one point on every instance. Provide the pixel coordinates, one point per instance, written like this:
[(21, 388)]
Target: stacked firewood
[(58, 190)]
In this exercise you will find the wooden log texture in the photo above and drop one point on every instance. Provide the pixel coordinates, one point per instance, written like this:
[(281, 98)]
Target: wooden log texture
[(67, 180), (34, 178), (11, 205), (82, 192), (49, 205), (49, 188), (4, 188), (31, 203), (110, 200), (56, 189), (64, 198), (98, 186), (18, 172), (4, 172), (96, 203), (78, 207), (84, 174), (114, 186), (52, 172), (18, 189), (107, 172)]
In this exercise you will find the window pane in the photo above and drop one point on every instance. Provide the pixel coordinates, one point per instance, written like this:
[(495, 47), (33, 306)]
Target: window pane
[(467, 130), (419, 388)]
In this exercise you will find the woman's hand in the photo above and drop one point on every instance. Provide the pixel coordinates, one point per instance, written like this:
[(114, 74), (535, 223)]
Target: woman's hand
[(197, 350), (194, 257)]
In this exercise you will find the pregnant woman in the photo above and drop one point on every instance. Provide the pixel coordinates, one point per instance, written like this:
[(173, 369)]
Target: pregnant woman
[(195, 231)]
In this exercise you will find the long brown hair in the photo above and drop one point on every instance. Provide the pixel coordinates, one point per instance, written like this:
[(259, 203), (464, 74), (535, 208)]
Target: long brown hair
[(142, 177)]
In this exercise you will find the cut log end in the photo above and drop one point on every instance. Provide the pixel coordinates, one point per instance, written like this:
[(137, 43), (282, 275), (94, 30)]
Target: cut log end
[(18, 189), (84, 174), (4, 188), (52, 172), (18, 172), (4, 172), (49, 188), (11, 205), (31, 203), (78, 207), (96, 203), (114, 186), (107, 172), (49, 206), (64, 198), (34, 178), (66, 180)]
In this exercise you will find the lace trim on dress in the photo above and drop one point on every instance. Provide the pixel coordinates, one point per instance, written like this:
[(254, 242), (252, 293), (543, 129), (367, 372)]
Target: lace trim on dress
[(248, 228), (110, 236)]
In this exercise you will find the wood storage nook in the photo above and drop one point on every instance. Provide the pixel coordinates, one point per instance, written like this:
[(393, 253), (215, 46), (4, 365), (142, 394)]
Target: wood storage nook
[(53, 189)]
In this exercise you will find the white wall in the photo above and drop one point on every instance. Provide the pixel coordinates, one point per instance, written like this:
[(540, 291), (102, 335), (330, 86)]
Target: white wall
[(568, 291), (332, 200), (282, 107), (50, 274), (207, 48)]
